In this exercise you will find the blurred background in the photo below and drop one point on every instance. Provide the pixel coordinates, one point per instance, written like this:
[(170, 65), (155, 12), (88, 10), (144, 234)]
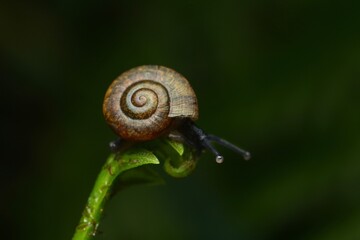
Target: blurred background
[(278, 78)]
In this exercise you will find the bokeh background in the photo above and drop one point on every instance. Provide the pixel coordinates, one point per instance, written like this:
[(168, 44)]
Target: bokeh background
[(279, 78)]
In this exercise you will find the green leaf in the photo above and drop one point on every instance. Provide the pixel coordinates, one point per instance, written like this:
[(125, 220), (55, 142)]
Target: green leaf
[(179, 147), (135, 157)]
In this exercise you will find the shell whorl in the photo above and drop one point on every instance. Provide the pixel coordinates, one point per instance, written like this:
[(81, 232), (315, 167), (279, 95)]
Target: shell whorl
[(142, 103)]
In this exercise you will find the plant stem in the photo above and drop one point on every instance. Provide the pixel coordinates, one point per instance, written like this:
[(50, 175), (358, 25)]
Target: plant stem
[(115, 165)]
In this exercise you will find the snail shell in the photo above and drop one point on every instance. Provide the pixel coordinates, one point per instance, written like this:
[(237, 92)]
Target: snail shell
[(144, 102)]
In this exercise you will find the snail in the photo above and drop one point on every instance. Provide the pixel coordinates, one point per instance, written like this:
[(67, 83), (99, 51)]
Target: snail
[(151, 101)]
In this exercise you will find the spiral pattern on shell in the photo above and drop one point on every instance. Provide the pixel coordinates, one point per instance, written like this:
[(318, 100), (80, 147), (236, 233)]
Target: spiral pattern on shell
[(142, 103)]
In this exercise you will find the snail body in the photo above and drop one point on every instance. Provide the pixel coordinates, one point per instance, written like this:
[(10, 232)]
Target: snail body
[(148, 101)]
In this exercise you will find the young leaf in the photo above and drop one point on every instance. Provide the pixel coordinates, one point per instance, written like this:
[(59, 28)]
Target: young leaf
[(179, 147)]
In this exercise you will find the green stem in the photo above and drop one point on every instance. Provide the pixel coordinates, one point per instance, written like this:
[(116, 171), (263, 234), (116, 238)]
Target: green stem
[(179, 162), (114, 166)]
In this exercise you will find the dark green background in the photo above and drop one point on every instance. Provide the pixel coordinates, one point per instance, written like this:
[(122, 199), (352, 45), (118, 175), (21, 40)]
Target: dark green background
[(279, 78)]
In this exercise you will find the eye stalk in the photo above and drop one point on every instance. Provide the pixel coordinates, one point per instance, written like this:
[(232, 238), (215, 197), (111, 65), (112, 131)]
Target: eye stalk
[(196, 137), (245, 154)]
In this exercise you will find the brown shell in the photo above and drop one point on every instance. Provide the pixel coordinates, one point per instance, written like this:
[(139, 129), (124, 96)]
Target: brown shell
[(143, 102)]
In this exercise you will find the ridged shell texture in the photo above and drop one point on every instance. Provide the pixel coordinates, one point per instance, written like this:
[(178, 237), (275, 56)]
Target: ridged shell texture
[(142, 103)]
